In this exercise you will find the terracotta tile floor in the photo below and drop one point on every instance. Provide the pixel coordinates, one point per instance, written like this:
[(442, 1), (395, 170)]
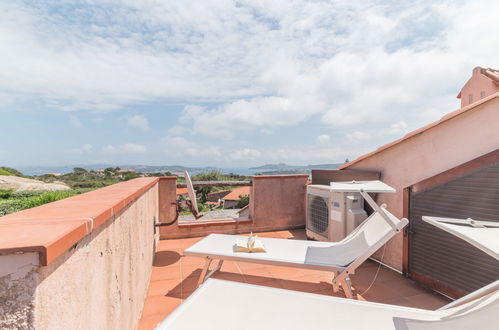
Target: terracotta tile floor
[(175, 277)]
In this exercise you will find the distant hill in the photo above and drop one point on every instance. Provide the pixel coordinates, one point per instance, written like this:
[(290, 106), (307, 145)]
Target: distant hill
[(40, 170)]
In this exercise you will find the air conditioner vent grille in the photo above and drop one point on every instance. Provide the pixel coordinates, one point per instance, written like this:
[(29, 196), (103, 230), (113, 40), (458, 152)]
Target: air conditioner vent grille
[(318, 215)]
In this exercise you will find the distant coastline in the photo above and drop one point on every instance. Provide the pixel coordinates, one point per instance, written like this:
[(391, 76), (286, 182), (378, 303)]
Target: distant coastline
[(268, 169)]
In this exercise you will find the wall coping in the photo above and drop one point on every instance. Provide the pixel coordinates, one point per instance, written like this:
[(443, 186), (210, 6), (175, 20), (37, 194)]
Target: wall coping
[(52, 229)]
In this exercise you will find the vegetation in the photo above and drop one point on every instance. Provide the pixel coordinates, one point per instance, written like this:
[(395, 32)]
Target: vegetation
[(10, 171), (216, 175), (81, 178), (80, 181), (243, 201), (4, 172), (202, 192), (11, 201)]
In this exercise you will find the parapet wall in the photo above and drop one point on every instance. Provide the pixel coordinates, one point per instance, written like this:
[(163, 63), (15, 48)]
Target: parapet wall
[(276, 203), (100, 281)]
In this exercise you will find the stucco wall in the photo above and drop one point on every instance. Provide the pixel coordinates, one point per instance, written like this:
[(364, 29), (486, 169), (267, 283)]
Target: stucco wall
[(451, 143), (18, 279), (100, 283), (276, 203)]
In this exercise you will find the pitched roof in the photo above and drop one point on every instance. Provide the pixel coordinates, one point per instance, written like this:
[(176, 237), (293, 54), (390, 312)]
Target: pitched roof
[(421, 130), (235, 193), (181, 191)]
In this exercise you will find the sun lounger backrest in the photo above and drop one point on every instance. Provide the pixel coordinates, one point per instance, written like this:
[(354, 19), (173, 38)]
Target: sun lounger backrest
[(358, 245)]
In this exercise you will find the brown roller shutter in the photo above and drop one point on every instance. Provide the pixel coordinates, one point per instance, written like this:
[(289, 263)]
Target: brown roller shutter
[(439, 259)]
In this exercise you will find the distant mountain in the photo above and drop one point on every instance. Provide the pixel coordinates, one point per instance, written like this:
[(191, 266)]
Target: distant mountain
[(39, 170), (283, 167)]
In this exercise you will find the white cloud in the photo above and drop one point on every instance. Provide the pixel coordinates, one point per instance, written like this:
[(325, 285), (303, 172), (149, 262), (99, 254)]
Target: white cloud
[(75, 121), (394, 66), (324, 139), (266, 131), (399, 128), (222, 122), (289, 154), (109, 149), (138, 121), (87, 148), (280, 50), (358, 136), (177, 130), (245, 154), (178, 142), (180, 148), (133, 148), (84, 149), (367, 70), (127, 148)]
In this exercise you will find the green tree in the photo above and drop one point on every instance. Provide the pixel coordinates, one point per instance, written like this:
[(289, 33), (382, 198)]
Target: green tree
[(243, 201), (79, 171)]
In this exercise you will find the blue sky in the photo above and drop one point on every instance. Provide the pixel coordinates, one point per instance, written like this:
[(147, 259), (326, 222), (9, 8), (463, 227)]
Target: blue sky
[(229, 83)]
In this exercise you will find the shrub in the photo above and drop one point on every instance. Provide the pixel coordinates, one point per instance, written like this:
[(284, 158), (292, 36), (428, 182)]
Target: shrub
[(27, 193), (243, 201), (12, 171), (4, 172), (6, 193)]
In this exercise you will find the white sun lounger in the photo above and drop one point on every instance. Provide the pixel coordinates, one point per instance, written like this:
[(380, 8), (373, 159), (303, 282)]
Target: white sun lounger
[(481, 234), (230, 305), (224, 305), (342, 258)]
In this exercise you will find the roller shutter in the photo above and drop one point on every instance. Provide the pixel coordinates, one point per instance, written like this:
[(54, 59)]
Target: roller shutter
[(449, 263)]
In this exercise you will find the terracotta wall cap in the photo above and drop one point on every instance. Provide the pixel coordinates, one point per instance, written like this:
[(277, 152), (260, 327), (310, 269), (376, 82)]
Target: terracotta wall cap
[(51, 229), (173, 177)]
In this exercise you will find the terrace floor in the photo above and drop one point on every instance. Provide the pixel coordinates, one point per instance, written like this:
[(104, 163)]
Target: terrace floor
[(175, 277)]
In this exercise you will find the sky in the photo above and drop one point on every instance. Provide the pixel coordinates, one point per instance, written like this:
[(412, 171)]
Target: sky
[(229, 83)]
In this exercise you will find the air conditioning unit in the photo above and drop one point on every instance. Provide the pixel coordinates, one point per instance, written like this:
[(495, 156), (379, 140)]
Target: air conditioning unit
[(332, 215)]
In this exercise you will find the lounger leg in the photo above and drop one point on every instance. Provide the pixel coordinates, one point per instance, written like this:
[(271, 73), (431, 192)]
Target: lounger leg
[(336, 284), (205, 270), (347, 288), (217, 268)]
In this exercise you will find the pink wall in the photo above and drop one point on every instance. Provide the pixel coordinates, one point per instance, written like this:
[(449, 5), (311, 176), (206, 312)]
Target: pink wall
[(462, 138), (100, 281), (276, 203), (478, 86)]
